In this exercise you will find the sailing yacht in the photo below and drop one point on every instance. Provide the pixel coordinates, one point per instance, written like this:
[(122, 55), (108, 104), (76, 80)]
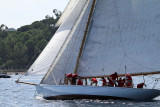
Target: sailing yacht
[(95, 39)]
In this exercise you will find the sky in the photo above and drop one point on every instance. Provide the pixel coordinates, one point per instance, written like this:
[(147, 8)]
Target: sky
[(17, 13)]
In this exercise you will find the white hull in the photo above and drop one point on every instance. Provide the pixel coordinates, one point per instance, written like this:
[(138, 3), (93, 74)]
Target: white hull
[(92, 92)]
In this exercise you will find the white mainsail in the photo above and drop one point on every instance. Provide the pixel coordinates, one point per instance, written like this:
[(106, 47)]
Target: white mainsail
[(123, 33)]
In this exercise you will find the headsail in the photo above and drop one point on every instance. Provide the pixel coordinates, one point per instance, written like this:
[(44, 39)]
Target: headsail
[(48, 55), (124, 32), (67, 11), (66, 59)]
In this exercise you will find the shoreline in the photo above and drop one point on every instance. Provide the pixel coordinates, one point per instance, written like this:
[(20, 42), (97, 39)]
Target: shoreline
[(14, 71)]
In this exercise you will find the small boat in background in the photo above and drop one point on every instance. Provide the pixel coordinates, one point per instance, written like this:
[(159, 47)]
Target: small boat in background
[(4, 76)]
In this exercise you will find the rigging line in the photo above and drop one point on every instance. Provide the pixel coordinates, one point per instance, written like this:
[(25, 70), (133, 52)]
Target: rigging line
[(121, 63), (103, 65), (118, 19), (103, 61), (144, 82), (87, 68), (54, 78), (140, 64)]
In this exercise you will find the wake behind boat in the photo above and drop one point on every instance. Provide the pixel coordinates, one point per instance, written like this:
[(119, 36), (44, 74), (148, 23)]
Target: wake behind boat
[(95, 39)]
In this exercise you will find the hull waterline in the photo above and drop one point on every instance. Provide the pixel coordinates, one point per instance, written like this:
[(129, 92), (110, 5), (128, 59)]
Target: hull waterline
[(69, 92)]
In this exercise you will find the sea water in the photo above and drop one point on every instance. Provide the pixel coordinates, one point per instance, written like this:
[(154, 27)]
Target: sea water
[(23, 95)]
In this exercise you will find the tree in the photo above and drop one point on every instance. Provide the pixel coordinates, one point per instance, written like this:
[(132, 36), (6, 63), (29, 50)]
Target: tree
[(21, 47), (3, 34), (2, 50), (57, 13), (24, 28), (2, 27)]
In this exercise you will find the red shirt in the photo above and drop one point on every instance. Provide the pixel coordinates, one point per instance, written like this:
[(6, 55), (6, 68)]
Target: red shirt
[(80, 82), (69, 75), (111, 82), (104, 82), (140, 85), (129, 84), (74, 75), (94, 79), (120, 83), (128, 76), (113, 76)]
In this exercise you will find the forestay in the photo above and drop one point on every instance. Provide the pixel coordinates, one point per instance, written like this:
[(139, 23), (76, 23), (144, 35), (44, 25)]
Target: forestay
[(123, 33)]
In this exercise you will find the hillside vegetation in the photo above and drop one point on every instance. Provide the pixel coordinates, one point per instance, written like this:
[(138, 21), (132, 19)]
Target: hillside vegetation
[(19, 48)]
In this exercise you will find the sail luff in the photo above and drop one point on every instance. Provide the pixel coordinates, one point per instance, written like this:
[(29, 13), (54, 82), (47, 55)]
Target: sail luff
[(85, 34)]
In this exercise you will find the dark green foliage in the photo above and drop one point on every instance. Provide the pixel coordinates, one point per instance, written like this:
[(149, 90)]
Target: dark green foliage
[(18, 49), (24, 28)]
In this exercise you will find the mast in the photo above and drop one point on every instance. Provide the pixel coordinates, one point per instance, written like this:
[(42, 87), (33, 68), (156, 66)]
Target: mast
[(85, 35)]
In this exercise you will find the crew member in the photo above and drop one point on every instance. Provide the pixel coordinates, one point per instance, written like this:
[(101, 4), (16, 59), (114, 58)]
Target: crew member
[(79, 82), (121, 82), (110, 82), (74, 78), (69, 78), (114, 77), (104, 81), (129, 82), (94, 81), (140, 85)]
